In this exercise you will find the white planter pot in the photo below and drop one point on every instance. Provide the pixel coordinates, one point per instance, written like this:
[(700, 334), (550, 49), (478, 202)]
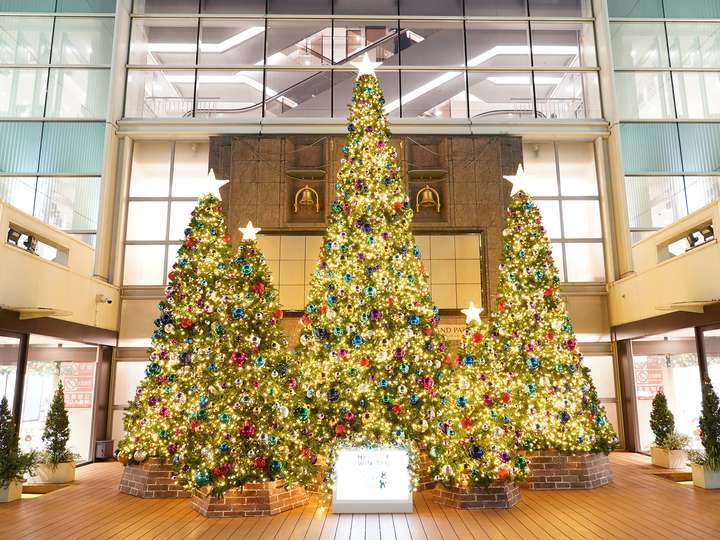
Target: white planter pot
[(63, 473), (11, 493), (668, 459), (704, 478)]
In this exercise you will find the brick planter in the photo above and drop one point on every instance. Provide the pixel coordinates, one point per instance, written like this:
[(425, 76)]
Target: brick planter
[(265, 499), (151, 480), (425, 480), (550, 469), (496, 495)]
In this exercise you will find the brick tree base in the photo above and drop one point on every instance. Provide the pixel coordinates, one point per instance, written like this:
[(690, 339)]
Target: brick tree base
[(496, 495), (425, 481), (265, 499), (151, 480), (551, 470)]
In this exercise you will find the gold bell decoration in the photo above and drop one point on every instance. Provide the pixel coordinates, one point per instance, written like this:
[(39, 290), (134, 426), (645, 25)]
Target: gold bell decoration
[(427, 197), (307, 196)]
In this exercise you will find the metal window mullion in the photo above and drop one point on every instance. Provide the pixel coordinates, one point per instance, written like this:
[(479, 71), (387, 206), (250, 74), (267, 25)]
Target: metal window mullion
[(263, 97), (467, 74)]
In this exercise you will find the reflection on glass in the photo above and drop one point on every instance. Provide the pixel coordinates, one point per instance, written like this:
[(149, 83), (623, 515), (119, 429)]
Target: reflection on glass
[(254, 7), (128, 376), (639, 45), (497, 44), (379, 39), (647, 9), (144, 265), (158, 42), (224, 94), (21, 146), (22, 92), (567, 95), (146, 220), (190, 165), (431, 43), (159, 94), (82, 40), (650, 148), (560, 8), (72, 147), (550, 212), (376, 7), (431, 7), (700, 145), (493, 8), (9, 351), (25, 40), (78, 93), (500, 95), (85, 6), (306, 7), (20, 192), (231, 41), (68, 203), (165, 6), (694, 45), (695, 94), (669, 364), (557, 44), (343, 82), (578, 176), (150, 175), (299, 42), (540, 170), (654, 201), (581, 219), (50, 361), (644, 95), (179, 218), (298, 94), (701, 190), (432, 94), (588, 262)]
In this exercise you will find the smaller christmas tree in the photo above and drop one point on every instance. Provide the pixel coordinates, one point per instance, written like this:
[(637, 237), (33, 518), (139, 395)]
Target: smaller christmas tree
[(479, 439), (662, 421), (14, 464), (57, 431), (710, 427)]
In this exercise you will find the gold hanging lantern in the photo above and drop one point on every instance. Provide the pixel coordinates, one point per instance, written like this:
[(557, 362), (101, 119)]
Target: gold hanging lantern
[(427, 197), (307, 196)]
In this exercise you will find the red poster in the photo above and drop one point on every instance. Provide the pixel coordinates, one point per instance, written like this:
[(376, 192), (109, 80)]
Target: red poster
[(648, 377), (78, 379)]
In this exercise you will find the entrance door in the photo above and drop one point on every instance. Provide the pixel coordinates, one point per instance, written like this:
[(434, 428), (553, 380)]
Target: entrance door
[(10, 349)]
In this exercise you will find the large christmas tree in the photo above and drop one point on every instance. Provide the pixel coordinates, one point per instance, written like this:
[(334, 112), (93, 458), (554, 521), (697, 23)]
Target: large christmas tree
[(532, 334), (237, 426), (480, 436), (187, 329), (370, 351)]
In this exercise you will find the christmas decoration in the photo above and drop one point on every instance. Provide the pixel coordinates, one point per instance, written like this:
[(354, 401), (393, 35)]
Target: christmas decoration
[(710, 427), (557, 406), (369, 347), (14, 464), (57, 431), (662, 421), (237, 425)]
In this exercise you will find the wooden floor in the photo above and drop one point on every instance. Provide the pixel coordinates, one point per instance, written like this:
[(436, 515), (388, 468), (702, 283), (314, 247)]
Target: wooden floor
[(637, 505)]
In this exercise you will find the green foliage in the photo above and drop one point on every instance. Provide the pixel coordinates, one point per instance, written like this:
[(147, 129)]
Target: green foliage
[(662, 421), (14, 464), (675, 441), (710, 426), (57, 431)]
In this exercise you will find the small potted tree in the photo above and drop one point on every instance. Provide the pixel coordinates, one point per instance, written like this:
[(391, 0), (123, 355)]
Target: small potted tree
[(706, 465), (58, 463), (669, 448), (14, 464)]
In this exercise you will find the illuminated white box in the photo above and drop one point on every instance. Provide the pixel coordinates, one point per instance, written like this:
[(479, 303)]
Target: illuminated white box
[(372, 480)]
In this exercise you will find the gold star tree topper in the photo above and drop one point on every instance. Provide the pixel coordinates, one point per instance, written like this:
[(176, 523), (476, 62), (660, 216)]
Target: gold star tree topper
[(365, 66), (249, 232), (472, 313)]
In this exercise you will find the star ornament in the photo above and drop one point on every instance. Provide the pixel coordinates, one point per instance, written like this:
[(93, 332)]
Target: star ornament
[(519, 179), (365, 66), (249, 232), (472, 313), (211, 185)]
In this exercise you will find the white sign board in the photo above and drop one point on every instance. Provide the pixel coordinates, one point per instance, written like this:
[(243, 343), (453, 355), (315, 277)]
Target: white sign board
[(372, 480)]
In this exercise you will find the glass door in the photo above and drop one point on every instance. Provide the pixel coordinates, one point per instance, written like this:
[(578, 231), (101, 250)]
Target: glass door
[(711, 350), (9, 360)]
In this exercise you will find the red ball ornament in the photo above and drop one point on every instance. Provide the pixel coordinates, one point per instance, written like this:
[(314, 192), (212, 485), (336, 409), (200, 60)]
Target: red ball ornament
[(219, 472), (238, 358), (226, 238), (194, 423), (292, 383), (171, 276), (466, 422), (422, 268), (349, 416), (396, 409), (397, 205), (477, 337), (185, 323), (427, 330), (364, 361), (340, 430), (502, 473), (305, 320), (549, 335), (306, 452), (260, 462), (447, 360), (323, 310), (501, 307), (549, 291), (505, 397), (390, 301), (259, 287), (190, 242), (278, 314)]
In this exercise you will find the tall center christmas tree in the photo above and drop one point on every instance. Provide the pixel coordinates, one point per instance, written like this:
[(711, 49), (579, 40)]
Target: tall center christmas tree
[(369, 347)]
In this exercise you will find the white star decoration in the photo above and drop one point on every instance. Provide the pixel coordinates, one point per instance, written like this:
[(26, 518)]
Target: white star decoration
[(249, 232), (472, 313), (211, 185), (365, 66), (519, 179)]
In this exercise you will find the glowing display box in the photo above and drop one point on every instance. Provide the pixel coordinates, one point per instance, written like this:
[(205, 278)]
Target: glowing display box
[(372, 480)]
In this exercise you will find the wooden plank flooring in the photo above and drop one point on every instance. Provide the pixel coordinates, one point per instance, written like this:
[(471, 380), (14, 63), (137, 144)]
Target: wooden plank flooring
[(637, 504)]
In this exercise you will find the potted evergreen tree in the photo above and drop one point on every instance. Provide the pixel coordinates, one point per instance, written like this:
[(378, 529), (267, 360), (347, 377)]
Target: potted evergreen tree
[(14, 464), (706, 466), (58, 463), (669, 448)]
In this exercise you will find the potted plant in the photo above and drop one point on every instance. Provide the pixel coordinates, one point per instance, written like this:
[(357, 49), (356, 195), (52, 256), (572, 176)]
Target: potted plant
[(58, 463), (669, 448), (706, 465), (14, 464)]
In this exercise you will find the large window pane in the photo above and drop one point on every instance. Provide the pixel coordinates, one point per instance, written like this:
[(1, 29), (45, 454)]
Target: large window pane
[(435, 94), (497, 44), (299, 42), (72, 147), (379, 39), (367, 7), (650, 148), (550, 213), (654, 201), (68, 203), (540, 170), (159, 94), (146, 220), (692, 9), (25, 40), (694, 45), (144, 265), (560, 8), (20, 149), (159, 42), (700, 145), (344, 81), (191, 166), (696, 94), (500, 95), (128, 376), (585, 262), (493, 8), (581, 219), (180, 213), (644, 95), (165, 6), (701, 190), (150, 169), (639, 45), (81, 40), (22, 92), (85, 6), (567, 95), (297, 94), (711, 348), (37, 6), (249, 7), (306, 7), (78, 93), (231, 41), (431, 43), (651, 9), (578, 176), (9, 351), (563, 44), (226, 94), (19, 192), (431, 7)]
